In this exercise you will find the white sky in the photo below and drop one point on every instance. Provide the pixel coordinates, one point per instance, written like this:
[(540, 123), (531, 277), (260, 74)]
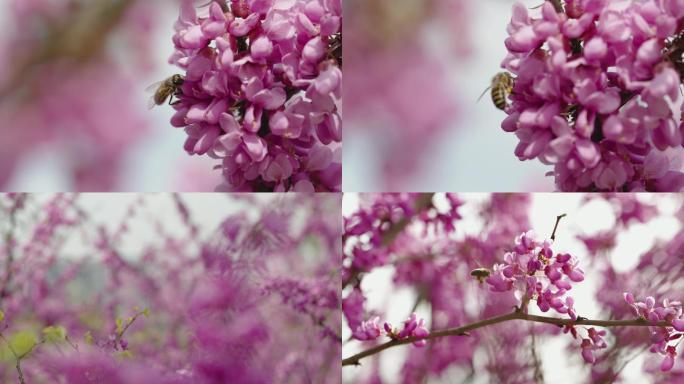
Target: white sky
[(207, 211)]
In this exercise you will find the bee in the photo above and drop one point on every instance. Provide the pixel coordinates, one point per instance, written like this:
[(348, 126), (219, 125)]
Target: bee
[(501, 87), (480, 274), (165, 89)]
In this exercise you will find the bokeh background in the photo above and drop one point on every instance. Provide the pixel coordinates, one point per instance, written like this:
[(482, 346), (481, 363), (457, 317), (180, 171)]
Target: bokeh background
[(239, 287), (73, 106), (415, 69)]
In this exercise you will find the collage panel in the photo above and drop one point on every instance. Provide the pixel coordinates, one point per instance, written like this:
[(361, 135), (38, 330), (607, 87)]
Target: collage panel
[(514, 96), (512, 288), (170, 288), (170, 95), (299, 253)]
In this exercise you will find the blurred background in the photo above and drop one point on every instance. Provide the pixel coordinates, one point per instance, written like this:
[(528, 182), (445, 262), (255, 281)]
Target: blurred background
[(415, 70), (73, 107), (640, 235), (237, 288)]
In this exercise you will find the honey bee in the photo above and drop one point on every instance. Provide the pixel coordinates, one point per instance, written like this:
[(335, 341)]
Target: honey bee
[(480, 274), (501, 87), (165, 89)]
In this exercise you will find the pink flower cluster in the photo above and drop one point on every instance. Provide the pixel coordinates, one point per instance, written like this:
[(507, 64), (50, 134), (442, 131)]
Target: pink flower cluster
[(596, 93), (413, 327), (591, 343), (537, 274), (371, 226), (670, 312), (261, 92)]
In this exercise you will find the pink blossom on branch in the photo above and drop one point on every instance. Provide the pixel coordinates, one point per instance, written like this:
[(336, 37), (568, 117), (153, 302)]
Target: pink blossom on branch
[(661, 337), (468, 312)]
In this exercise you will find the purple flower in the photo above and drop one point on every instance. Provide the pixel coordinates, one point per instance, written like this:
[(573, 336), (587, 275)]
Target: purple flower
[(596, 94), (367, 330), (413, 327), (536, 273), (262, 91), (661, 337)]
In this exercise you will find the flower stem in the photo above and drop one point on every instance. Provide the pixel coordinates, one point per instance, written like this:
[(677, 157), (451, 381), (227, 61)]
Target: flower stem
[(460, 331), (557, 5), (16, 357)]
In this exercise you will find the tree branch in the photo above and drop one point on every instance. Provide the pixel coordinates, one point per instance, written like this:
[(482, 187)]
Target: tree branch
[(460, 331), (9, 244), (424, 201)]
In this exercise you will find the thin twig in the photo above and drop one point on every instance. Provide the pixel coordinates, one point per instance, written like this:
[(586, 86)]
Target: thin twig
[(9, 243), (538, 373), (16, 357), (119, 335), (460, 331), (558, 219)]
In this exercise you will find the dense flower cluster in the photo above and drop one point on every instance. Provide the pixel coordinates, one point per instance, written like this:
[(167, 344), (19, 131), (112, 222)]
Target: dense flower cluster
[(597, 93), (261, 90), (661, 337), (535, 273)]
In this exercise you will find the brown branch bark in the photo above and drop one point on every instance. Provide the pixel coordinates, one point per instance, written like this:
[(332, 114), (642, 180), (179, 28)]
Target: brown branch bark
[(461, 331)]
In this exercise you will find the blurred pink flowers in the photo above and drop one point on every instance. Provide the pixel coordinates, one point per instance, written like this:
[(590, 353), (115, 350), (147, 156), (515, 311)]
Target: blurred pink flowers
[(252, 297), (62, 87), (397, 87)]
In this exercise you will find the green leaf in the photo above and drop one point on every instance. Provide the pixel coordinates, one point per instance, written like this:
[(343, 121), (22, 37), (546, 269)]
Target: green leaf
[(89, 338), (54, 334), (119, 325), (146, 312), (2, 315), (22, 342), (124, 355)]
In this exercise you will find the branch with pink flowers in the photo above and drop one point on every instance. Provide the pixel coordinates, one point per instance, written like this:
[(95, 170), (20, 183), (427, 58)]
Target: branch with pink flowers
[(517, 315)]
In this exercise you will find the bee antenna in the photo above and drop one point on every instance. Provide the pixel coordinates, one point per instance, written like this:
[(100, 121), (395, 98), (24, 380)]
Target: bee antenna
[(483, 93)]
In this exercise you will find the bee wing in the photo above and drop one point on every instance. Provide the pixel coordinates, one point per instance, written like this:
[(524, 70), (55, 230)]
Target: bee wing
[(151, 103), (483, 93), (153, 87), (152, 90)]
